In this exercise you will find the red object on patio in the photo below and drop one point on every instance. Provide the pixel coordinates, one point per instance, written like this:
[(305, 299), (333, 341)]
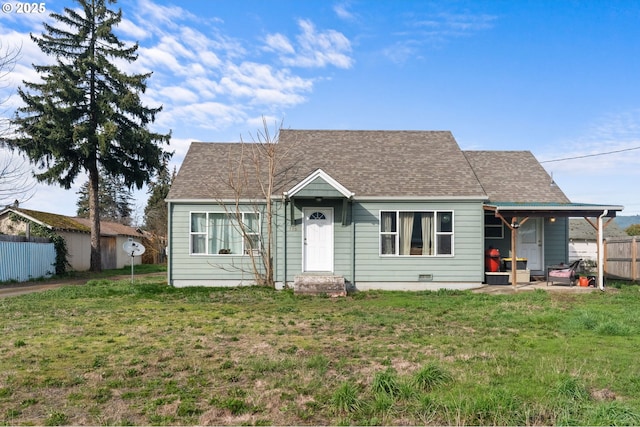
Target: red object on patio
[(492, 260)]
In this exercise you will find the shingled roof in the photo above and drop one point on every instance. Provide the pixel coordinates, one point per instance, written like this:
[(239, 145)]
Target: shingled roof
[(514, 176), (421, 164), (375, 164), (75, 224)]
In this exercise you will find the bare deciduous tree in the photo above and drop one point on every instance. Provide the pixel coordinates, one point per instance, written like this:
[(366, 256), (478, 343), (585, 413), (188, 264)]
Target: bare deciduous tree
[(16, 180), (263, 167)]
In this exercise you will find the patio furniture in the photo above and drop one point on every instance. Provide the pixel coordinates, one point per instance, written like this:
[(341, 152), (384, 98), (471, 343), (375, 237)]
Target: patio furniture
[(563, 273)]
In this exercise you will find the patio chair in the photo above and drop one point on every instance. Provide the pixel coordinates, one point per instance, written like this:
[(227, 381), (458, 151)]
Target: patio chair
[(563, 273)]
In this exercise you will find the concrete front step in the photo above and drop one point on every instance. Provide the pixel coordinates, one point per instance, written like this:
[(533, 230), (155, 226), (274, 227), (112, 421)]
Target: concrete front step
[(320, 284)]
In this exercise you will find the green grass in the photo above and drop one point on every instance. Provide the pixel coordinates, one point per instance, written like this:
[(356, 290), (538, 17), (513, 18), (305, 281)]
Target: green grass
[(116, 353), (137, 269), (104, 274)]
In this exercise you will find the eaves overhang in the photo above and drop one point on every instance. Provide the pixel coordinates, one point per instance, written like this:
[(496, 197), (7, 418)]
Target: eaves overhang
[(27, 216), (216, 201), (542, 209)]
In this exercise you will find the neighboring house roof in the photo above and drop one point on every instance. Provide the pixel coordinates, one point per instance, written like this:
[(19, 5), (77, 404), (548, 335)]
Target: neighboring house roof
[(75, 224), (108, 228), (514, 176), (55, 221), (370, 164), (580, 229)]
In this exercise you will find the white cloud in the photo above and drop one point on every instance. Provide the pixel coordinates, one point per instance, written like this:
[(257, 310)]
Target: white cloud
[(456, 24), (207, 88), (130, 29), (606, 176), (179, 94), (342, 12), (279, 43), (401, 52), (434, 29), (156, 14), (207, 116), (610, 143), (314, 49)]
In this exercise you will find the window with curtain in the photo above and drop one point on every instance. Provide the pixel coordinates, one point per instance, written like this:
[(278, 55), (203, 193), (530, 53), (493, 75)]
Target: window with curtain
[(416, 233), (221, 233)]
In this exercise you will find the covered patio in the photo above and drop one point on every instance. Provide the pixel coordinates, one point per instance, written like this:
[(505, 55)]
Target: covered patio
[(514, 214)]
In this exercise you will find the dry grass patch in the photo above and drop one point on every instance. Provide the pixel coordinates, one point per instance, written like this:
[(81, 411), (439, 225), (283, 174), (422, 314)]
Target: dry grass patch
[(116, 353)]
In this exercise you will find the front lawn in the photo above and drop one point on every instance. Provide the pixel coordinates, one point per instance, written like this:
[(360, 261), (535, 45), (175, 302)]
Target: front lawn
[(116, 353)]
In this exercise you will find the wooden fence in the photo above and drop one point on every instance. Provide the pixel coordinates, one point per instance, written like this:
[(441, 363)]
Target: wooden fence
[(621, 258), (22, 260)]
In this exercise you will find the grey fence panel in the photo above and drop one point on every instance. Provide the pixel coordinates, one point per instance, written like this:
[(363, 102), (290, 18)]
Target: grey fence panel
[(621, 258), (22, 261)]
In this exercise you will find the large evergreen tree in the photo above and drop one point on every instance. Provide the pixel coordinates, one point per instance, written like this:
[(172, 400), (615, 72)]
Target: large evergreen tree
[(156, 212), (86, 114), (114, 199)]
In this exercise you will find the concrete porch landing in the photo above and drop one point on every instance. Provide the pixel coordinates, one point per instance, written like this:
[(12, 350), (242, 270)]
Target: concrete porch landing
[(320, 284)]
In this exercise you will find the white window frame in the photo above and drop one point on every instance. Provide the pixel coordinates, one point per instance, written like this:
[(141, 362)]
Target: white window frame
[(436, 233), (243, 236), (201, 233)]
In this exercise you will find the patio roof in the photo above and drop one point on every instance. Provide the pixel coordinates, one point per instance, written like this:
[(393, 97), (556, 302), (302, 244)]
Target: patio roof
[(514, 214), (541, 209)]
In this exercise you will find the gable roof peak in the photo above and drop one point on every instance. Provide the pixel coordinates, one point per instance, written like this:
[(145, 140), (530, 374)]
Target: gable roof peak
[(319, 173)]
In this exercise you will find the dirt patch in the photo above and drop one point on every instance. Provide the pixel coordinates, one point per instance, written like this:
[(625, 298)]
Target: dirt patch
[(603, 394)]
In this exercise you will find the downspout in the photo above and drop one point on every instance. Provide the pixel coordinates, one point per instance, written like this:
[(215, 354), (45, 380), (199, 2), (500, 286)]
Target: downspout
[(353, 248), (601, 251), (284, 244), (169, 247)]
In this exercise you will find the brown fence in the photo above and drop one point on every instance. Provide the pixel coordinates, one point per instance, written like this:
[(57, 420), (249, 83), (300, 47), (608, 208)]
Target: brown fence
[(621, 258)]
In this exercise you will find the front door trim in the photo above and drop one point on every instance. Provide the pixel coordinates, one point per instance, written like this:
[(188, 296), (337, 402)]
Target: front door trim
[(323, 254)]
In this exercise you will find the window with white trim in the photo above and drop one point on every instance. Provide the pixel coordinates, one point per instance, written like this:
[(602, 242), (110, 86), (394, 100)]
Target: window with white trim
[(417, 233), (220, 233)]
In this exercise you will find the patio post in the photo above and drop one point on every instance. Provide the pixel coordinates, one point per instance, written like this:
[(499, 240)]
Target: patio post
[(514, 262), (601, 251)]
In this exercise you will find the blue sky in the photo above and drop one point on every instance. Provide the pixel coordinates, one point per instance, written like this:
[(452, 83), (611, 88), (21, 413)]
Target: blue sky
[(557, 78)]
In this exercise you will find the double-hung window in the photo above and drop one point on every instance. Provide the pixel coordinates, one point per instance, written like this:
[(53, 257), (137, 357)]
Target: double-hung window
[(418, 233), (222, 233)]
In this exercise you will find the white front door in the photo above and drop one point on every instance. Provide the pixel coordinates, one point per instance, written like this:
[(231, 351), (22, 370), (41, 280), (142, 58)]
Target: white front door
[(317, 245), (529, 243)]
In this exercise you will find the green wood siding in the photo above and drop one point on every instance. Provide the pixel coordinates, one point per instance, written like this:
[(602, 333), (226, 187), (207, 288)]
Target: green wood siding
[(318, 188), (466, 265), (185, 266)]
